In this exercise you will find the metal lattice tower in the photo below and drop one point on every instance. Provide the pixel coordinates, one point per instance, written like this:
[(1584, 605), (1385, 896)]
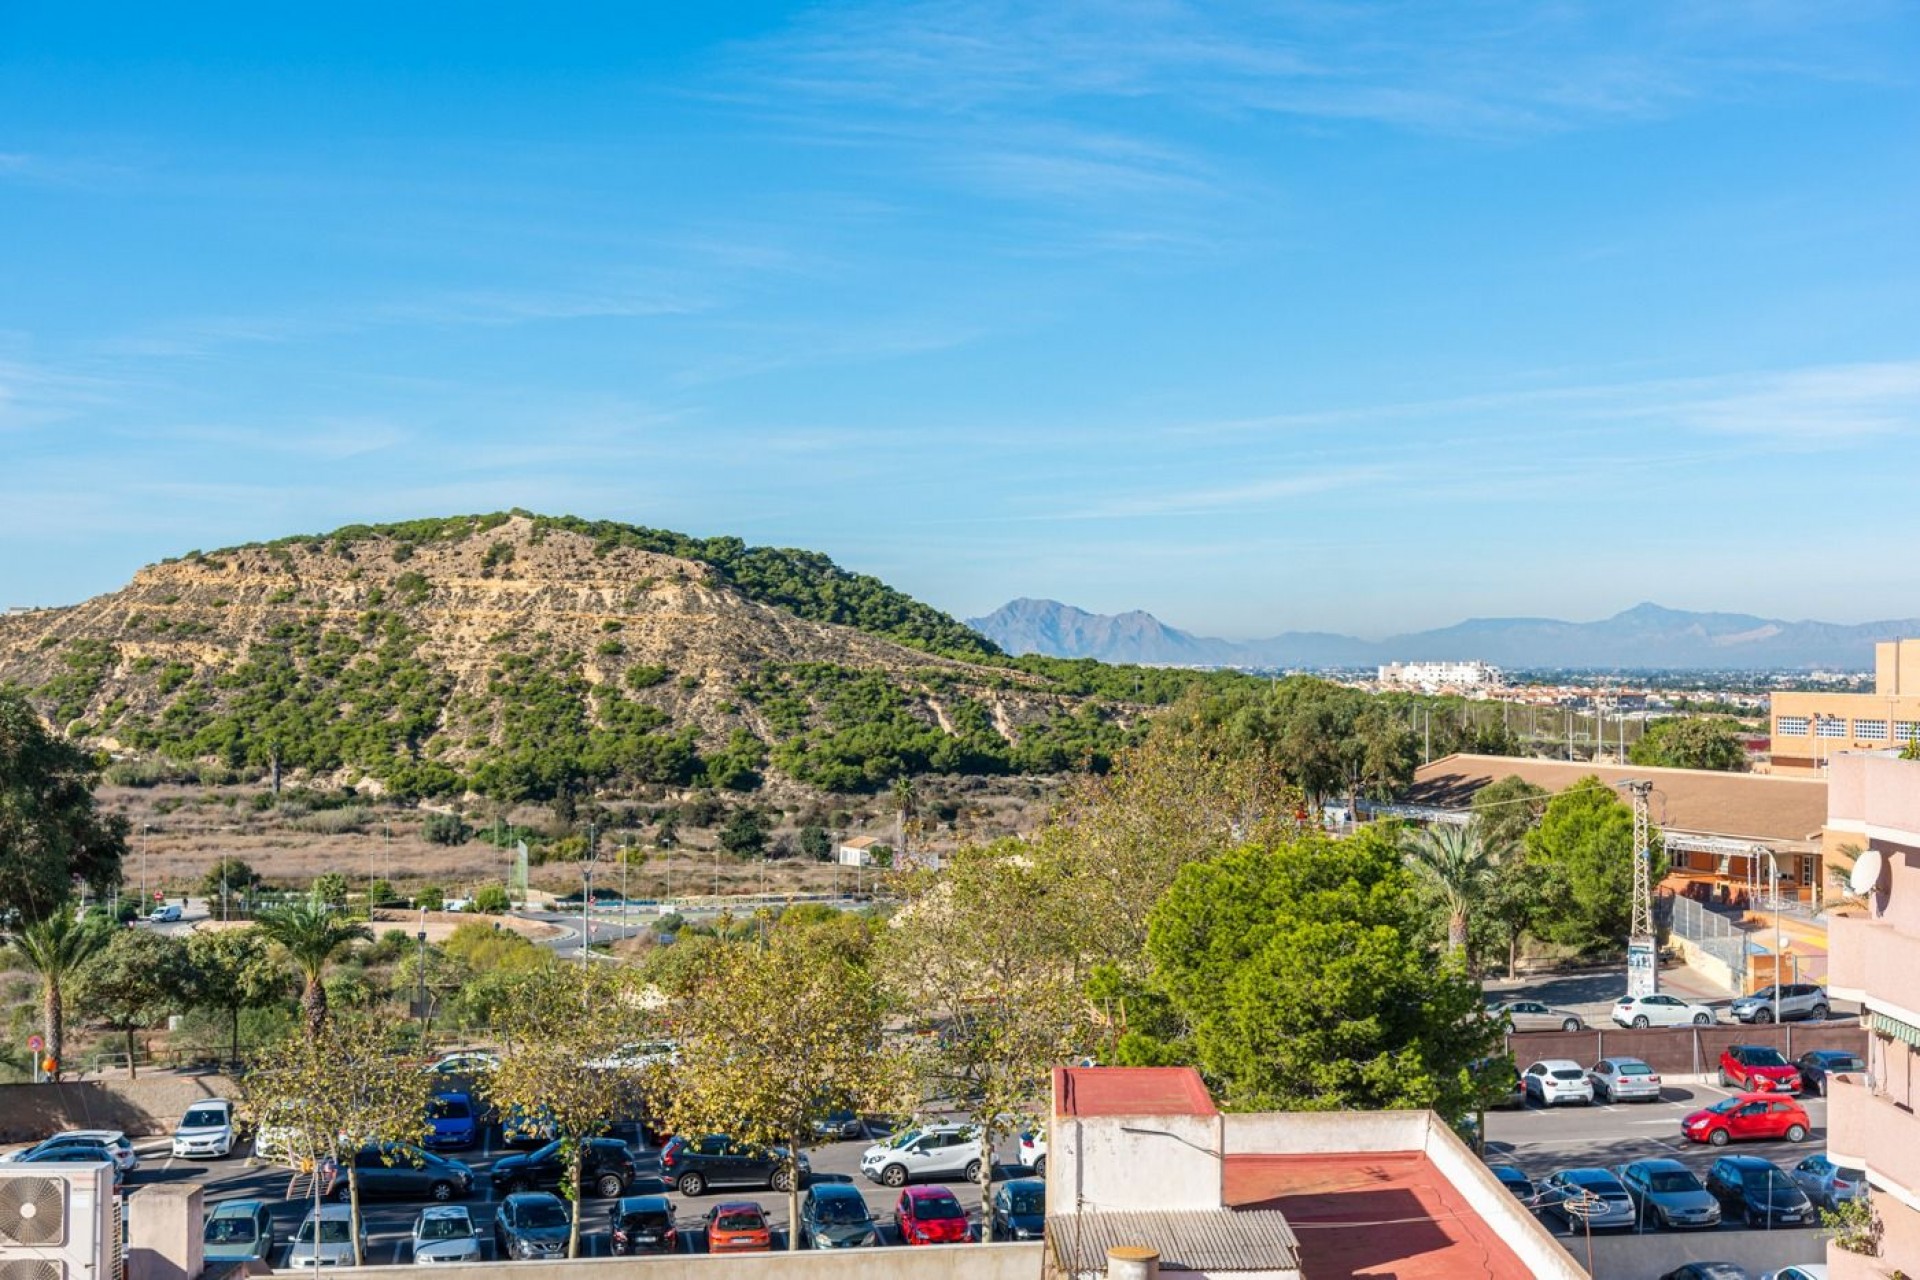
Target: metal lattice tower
[(1642, 926)]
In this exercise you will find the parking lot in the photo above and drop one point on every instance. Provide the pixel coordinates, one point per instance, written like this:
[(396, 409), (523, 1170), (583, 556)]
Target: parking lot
[(1541, 1141), (389, 1223)]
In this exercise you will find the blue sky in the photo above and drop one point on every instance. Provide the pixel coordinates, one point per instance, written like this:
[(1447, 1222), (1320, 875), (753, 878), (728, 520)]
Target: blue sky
[(1290, 315)]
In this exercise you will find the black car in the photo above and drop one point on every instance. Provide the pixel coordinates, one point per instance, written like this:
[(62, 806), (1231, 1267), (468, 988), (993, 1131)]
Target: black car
[(1020, 1209), (400, 1173), (1754, 1190), (718, 1161), (606, 1167), (531, 1224), (1815, 1065), (1515, 1181), (643, 1224), (1707, 1271)]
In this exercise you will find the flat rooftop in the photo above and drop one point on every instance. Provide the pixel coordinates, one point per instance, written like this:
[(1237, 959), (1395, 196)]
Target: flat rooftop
[(1130, 1091), (1743, 806), (1375, 1214)]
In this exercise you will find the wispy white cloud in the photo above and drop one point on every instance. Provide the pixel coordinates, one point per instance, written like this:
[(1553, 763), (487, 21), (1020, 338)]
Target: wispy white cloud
[(1806, 408), (1214, 499)]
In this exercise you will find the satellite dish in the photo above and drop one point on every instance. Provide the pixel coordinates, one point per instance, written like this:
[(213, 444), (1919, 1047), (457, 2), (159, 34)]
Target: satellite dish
[(1866, 872)]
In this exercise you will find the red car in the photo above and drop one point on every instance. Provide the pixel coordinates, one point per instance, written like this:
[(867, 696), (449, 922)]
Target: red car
[(1748, 1115), (739, 1226), (1757, 1069), (930, 1215)]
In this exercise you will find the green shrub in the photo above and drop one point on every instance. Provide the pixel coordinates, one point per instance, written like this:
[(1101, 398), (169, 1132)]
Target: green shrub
[(446, 828)]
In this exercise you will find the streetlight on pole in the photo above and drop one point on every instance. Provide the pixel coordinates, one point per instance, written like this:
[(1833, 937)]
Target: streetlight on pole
[(146, 843), (1773, 865)]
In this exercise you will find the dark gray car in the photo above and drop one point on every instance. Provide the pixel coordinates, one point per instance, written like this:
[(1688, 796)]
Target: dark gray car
[(531, 1224), (1667, 1194)]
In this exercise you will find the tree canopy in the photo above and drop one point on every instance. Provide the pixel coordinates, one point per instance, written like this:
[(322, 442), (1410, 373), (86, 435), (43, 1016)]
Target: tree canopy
[(1297, 981), (1691, 742), (51, 833), (1583, 851)]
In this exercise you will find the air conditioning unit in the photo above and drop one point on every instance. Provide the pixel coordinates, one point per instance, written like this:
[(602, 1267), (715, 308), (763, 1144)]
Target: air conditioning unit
[(59, 1222)]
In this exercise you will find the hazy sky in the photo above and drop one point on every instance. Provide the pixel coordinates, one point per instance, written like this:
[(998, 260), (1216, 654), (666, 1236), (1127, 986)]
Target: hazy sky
[(1286, 315)]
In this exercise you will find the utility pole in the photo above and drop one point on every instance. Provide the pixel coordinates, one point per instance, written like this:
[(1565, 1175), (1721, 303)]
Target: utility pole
[(586, 902), (1643, 945)]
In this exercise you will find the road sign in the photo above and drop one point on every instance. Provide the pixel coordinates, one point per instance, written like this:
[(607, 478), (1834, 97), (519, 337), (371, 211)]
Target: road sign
[(35, 1042)]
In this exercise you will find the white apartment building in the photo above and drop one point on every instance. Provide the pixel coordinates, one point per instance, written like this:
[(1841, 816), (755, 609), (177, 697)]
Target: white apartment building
[(1430, 677)]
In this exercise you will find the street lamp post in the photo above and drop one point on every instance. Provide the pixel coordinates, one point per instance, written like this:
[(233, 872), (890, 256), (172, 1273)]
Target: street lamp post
[(420, 977), (1773, 865)]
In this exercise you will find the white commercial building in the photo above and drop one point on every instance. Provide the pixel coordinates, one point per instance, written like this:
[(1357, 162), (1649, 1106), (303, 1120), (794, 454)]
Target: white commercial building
[(1432, 676)]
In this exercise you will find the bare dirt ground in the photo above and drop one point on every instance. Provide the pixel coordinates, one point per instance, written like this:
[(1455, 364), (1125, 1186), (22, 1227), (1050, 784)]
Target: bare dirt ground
[(178, 832)]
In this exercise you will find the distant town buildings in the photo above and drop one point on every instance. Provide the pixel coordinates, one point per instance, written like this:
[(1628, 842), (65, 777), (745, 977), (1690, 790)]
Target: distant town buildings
[(1435, 677), (1810, 728)]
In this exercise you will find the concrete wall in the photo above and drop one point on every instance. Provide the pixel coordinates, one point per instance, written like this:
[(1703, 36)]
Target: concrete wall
[(150, 1105), (1644, 1257), (924, 1262), (1289, 1133), (1106, 1164)]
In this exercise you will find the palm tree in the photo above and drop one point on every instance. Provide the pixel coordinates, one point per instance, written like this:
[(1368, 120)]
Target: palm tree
[(54, 948), (1457, 862), (310, 933)]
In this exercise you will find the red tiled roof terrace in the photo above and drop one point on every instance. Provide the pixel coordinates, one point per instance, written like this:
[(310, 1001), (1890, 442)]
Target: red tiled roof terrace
[(1130, 1091), (1376, 1214)]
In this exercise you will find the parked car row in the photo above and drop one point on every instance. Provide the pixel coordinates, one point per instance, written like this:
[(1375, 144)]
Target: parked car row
[(1555, 1080), (1796, 1000), (1664, 1194)]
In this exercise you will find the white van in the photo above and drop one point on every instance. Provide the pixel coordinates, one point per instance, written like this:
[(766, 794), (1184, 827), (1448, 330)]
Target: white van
[(206, 1131), (166, 914)]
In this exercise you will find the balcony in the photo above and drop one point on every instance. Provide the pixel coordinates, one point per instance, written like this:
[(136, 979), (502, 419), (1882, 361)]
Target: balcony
[(1873, 957), (1862, 1125)]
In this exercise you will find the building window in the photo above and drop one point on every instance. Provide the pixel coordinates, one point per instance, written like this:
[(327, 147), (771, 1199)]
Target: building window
[(1870, 730), (1791, 726), (1830, 727), (1906, 730)]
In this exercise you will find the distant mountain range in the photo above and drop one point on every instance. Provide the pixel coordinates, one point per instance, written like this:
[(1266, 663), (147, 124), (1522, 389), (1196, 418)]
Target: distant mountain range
[(1645, 636)]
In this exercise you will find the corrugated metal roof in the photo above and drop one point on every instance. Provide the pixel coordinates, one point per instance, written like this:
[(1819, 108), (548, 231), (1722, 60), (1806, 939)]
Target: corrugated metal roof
[(1197, 1240)]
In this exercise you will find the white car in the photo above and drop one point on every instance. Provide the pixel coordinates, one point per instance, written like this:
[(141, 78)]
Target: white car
[(1552, 1081), (465, 1062), (444, 1233), (205, 1131), (1804, 1271), (113, 1140), (1660, 1011), (926, 1151), (1033, 1152)]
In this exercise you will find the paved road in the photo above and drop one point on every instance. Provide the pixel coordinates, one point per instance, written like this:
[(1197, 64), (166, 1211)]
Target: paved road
[(389, 1224)]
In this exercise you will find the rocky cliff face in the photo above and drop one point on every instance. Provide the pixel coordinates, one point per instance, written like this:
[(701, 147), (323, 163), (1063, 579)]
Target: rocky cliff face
[(385, 654)]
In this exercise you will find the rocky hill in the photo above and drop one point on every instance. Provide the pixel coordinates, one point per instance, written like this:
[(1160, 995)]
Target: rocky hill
[(520, 656)]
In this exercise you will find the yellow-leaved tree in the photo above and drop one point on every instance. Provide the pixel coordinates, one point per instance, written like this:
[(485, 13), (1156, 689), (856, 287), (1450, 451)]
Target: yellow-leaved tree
[(775, 1034), (327, 1096), (576, 1059)]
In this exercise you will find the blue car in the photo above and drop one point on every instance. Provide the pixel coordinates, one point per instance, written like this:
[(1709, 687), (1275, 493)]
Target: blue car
[(453, 1127)]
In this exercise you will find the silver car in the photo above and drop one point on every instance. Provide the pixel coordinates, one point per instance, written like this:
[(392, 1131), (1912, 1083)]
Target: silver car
[(1531, 1015), (1827, 1184), (445, 1233), (1797, 1000), (1588, 1200), (1624, 1080), (325, 1239), (1668, 1194)]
